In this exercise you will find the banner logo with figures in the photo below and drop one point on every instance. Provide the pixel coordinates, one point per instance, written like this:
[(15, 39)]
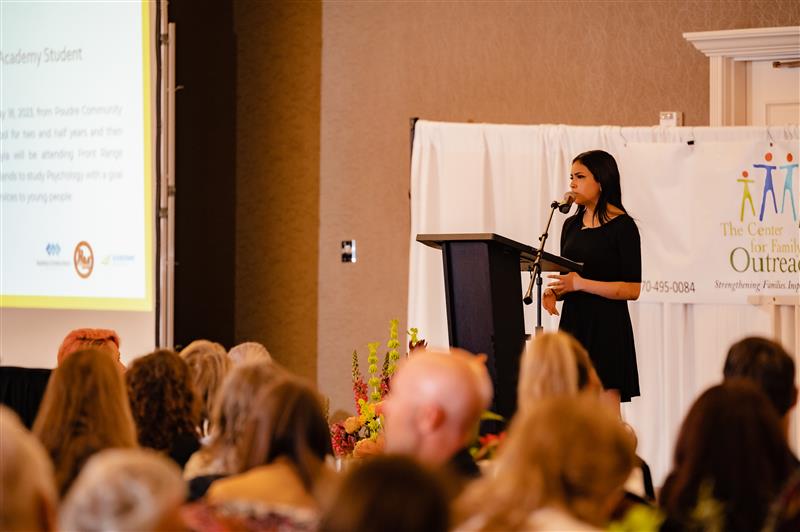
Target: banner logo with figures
[(726, 224), (771, 247)]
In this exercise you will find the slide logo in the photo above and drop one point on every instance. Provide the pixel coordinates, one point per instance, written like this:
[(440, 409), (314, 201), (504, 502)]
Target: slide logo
[(83, 259), (53, 249)]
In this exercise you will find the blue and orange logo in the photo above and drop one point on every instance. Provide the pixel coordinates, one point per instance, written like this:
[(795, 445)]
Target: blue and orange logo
[(788, 171)]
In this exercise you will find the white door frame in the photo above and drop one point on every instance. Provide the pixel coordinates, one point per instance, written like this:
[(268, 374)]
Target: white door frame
[(727, 51)]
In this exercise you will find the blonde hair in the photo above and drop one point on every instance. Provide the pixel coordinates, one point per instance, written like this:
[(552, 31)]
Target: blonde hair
[(249, 352), (85, 409), (553, 364), (226, 453), (570, 452), (208, 363), (123, 489), (27, 486)]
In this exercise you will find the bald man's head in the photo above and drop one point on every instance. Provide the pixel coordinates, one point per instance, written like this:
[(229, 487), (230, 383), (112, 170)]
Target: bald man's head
[(436, 400)]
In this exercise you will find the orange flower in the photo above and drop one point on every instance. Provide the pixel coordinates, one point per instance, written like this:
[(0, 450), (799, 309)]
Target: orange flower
[(367, 447), (352, 424)]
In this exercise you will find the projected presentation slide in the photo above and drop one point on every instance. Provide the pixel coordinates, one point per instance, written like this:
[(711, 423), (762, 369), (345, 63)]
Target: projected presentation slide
[(76, 152)]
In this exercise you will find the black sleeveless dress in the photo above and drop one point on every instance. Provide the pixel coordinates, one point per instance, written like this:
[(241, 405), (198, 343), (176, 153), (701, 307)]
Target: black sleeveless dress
[(611, 252)]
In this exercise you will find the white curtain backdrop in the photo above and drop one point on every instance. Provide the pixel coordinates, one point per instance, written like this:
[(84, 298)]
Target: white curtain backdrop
[(473, 178)]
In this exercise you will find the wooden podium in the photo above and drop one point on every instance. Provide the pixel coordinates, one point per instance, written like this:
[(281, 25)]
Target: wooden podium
[(484, 302)]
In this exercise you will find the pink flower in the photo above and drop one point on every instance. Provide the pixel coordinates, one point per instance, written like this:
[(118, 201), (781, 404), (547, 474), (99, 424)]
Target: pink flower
[(342, 442)]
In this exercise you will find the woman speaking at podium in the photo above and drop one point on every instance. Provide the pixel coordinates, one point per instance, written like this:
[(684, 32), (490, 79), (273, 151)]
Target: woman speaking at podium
[(605, 239)]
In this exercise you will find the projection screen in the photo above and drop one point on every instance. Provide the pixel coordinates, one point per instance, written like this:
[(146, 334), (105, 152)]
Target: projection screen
[(77, 149)]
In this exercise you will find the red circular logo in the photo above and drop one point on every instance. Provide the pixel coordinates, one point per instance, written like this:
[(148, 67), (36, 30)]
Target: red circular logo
[(83, 259)]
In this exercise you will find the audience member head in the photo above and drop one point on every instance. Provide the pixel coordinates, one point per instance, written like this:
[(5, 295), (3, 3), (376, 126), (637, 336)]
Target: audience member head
[(249, 352), (208, 364), (28, 496), (104, 340), (232, 416), (84, 410), (368, 498), (287, 421), (435, 403), (126, 490), (769, 366), (163, 401), (571, 453), (730, 447), (554, 364)]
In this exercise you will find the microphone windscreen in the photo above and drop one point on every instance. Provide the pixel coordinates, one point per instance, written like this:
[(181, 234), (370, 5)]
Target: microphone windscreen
[(569, 199)]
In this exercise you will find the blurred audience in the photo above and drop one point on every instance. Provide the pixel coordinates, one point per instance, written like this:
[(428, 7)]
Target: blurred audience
[(388, 494), (136, 490), (555, 364), (104, 340), (279, 473), (563, 464), (563, 467), (433, 408), (282, 449), (234, 413), (208, 364), (165, 407), (249, 352), (84, 410), (731, 461), (28, 495), (769, 366), (784, 514)]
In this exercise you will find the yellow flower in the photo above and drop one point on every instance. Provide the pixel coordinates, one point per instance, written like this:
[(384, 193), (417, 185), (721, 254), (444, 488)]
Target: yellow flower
[(352, 424), (367, 413)]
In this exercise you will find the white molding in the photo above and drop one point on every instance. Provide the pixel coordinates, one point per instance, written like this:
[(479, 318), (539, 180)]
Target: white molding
[(754, 44), (728, 86), (727, 50)]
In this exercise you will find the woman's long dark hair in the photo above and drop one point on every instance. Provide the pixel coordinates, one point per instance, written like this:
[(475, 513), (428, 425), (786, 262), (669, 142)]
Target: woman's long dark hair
[(731, 448), (604, 168)]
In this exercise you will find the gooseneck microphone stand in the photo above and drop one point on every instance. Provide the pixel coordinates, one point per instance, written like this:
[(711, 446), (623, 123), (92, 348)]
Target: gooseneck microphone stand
[(536, 273)]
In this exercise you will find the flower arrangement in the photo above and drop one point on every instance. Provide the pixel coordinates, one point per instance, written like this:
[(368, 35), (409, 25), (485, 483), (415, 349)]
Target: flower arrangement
[(487, 446), (360, 435)]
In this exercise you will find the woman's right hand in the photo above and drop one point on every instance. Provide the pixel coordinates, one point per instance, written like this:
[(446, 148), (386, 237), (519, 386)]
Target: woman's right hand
[(549, 302)]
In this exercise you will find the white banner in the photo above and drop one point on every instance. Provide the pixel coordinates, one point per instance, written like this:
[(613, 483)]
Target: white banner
[(687, 201), (718, 220)]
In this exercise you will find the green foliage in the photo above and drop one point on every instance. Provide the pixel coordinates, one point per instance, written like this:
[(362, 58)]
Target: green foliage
[(640, 518)]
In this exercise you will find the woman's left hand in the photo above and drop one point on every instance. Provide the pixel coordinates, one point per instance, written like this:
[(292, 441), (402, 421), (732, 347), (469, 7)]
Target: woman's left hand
[(569, 282)]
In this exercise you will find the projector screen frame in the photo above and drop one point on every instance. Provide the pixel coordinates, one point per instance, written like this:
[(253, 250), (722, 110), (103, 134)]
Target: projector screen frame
[(165, 182)]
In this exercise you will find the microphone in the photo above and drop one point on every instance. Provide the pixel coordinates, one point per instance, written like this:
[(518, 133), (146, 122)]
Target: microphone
[(566, 205), (528, 299)]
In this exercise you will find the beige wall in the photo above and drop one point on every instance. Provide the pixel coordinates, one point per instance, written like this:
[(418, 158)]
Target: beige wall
[(277, 178), (325, 94)]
